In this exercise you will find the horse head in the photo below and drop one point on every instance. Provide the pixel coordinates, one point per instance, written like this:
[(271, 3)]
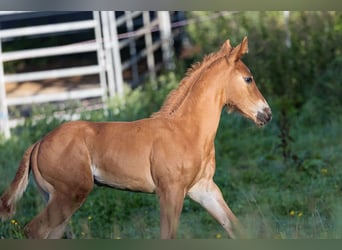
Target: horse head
[(241, 91)]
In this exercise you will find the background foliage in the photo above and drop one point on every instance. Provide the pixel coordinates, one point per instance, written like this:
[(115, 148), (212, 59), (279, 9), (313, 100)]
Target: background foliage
[(282, 181)]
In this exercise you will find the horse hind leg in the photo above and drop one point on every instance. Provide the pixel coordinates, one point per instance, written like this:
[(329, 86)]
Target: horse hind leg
[(66, 183), (52, 220), (63, 200)]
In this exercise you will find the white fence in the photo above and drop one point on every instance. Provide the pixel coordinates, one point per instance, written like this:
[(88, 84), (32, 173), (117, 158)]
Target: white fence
[(109, 44)]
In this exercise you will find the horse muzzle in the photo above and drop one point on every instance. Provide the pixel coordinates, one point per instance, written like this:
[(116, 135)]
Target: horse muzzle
[(264, 116)]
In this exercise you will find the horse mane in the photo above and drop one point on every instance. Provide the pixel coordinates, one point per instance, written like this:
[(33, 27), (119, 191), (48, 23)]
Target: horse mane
[(177, 96)]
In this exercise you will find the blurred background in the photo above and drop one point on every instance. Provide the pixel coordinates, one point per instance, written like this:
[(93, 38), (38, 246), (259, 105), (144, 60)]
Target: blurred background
[(282, 181)]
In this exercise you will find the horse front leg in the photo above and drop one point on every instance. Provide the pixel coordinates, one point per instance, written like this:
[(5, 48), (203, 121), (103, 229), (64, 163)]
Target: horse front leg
[(171, 203), (209, 196)]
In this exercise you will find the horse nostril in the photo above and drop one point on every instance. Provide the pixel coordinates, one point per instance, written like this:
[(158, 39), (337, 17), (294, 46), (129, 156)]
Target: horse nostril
[(264, 116), (268, 113)]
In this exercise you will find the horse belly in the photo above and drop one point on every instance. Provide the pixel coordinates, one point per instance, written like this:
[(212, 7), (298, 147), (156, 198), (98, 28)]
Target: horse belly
[(124, 176), (121, 156)]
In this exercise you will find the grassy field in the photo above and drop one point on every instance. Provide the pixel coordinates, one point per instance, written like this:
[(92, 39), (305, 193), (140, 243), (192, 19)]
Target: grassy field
[(281, 181)]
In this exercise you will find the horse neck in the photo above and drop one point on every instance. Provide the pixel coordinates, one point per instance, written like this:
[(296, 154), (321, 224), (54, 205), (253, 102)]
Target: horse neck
[(201, 109)]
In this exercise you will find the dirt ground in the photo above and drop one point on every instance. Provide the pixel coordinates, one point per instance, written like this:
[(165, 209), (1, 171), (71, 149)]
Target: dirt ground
[(31, 88)]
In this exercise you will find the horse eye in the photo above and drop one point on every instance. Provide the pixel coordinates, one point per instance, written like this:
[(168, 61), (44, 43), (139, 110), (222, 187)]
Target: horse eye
[(248, 79)]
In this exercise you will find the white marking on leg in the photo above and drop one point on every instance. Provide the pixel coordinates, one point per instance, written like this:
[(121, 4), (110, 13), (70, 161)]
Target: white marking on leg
[(208, 195)]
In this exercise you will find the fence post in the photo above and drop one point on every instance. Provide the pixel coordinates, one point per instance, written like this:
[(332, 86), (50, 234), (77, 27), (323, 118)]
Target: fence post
[(115, 48), (100, 54), (149, 45), (286, 15), (108, 49), (166, 37), (4, 122), (132, 47)]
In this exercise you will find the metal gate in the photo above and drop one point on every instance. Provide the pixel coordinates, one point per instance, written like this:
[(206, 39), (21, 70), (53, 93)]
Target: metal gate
[(115, 42)]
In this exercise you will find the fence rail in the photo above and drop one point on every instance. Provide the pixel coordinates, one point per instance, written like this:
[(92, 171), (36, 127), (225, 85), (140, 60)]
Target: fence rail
[(73, 94), (51, 51), (108, 44), (46, 29)]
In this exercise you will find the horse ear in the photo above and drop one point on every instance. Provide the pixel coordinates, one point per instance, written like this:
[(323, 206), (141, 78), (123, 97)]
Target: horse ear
[(226, 47), (239, 50)]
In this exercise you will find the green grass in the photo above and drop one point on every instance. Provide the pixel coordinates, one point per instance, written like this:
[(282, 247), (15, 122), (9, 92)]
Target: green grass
[(274, 197), (283, 181)]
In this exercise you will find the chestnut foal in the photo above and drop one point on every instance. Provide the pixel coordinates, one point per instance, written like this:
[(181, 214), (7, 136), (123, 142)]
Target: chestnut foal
[(171, 153)]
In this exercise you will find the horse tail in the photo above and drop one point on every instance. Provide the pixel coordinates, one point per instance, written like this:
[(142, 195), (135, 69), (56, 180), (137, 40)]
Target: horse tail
[(16, 189)]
